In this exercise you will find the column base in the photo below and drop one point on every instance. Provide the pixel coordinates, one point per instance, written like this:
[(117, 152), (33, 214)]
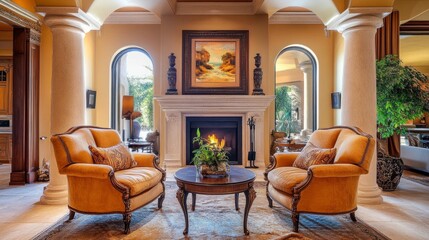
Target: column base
[(54, 195), (369, 195)]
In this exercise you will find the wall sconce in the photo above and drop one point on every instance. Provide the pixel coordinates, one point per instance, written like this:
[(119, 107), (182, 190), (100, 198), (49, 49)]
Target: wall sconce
[(336, 100)]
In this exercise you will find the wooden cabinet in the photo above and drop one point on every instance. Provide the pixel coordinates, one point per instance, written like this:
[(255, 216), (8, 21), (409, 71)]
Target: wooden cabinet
[(5, 148), (5, 86)]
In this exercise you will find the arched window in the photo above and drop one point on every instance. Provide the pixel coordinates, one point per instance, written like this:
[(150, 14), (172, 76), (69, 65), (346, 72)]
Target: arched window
[(132, 75), (296, 90)]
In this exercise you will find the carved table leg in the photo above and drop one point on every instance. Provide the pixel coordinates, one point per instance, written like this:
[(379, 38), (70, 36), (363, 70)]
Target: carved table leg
[(250, 196), (181, 196), (236, 201), (194, 199)]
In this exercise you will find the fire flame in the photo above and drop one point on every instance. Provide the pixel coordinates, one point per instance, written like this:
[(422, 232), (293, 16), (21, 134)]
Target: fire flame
[(213, 140)]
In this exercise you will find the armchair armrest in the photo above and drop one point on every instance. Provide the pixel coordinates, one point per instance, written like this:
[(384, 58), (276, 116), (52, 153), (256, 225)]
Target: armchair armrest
[(149, 160), (285, 159), (280, 160), (99, 171), (336, 170), (144, 159)]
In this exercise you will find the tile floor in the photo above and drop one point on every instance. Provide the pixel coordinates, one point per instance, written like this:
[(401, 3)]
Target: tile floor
[(404, 214)]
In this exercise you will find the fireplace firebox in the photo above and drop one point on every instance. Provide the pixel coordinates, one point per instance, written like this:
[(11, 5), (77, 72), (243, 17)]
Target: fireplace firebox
[(228, 128)]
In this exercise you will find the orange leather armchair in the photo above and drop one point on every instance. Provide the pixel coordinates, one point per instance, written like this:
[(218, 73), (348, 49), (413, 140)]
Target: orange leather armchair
[(96, 188), (324, 188)]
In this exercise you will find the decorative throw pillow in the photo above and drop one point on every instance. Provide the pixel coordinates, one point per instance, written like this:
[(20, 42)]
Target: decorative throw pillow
[(312, 155), (118, 156)]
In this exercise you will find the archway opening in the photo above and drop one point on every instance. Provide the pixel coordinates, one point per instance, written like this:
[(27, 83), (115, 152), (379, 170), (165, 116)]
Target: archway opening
[(132, 77), (296, 91)]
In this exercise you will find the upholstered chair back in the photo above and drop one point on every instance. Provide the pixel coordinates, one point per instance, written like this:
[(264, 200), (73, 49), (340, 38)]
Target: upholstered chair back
[(352, 145), (105, 137), (325, 138), (72, 146), (355, 147)]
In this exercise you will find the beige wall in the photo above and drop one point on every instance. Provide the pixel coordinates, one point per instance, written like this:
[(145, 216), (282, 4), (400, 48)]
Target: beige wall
[(313, 37), (109, 41), (89, 58)]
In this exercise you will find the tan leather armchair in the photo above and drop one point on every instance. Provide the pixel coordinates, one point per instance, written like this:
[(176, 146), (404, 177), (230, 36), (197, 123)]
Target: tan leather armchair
[(325, 188), (97, 188)]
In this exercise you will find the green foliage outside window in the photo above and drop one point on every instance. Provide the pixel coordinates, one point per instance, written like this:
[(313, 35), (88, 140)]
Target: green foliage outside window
[(402, 95), (287, 99), (142, 90)]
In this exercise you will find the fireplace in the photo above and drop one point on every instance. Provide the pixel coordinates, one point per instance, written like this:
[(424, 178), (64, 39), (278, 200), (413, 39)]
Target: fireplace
[(228, 128)]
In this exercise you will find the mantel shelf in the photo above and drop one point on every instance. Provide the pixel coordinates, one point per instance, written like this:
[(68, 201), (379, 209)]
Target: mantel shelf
[(242, 103)]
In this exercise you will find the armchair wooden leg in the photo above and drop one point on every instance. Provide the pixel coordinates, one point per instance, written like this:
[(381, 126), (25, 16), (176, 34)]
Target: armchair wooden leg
[(295, 220), (71, 215), (127, 221), (270, 201), (352, 216), (161, 200)]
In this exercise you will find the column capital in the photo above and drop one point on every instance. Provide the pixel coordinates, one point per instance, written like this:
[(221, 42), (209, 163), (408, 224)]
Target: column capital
[(68, 17), (306, 66), (359, 17)]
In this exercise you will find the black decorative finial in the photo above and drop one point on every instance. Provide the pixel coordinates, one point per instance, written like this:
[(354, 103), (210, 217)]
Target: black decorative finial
[(257, 77), (171, 76)]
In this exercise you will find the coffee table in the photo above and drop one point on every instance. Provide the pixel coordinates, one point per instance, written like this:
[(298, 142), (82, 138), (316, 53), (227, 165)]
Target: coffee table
[(240, 180)]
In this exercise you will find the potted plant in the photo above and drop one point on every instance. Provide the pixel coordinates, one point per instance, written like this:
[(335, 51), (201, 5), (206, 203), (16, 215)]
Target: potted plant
[(401, 96), (210, 158)]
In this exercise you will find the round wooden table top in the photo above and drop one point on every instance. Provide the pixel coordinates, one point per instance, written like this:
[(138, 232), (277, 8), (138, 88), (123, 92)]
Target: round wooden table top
[(237, 175)]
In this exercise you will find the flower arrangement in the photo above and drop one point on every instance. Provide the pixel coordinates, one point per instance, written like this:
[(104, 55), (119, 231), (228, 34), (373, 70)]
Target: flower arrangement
[(210, 158)]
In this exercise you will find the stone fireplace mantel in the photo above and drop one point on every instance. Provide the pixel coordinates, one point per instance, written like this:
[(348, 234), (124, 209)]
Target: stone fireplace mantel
[(175, 109)]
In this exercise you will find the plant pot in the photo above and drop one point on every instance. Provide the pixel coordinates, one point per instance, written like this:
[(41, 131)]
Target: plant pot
[(222, 170), (389, 172)]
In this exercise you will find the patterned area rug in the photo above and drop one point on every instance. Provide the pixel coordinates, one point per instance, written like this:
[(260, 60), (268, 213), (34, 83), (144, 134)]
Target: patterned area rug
[(213, 218), (416, 176)]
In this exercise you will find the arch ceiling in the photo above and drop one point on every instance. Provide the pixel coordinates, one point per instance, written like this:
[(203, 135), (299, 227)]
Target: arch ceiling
[(326, 10)]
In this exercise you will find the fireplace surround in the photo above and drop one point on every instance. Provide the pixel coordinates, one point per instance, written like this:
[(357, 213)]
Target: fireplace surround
[(176, 108)]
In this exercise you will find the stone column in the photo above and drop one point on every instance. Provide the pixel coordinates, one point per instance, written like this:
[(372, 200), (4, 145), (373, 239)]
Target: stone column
[(307, 68), (68, 90), (359, 90)]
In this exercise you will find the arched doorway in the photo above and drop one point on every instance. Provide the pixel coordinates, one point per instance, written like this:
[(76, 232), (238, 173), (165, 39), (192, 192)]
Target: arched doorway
[(296, 90), (132, 75)]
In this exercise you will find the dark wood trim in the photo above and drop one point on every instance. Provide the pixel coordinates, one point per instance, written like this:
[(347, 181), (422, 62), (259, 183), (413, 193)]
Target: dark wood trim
[(25, 141), (414, 28), (32, 162)]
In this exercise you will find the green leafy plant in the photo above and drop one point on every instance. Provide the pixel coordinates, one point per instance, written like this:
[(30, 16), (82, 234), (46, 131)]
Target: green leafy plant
[(402, 94), (287, 99), (208, 153), (141, 87)]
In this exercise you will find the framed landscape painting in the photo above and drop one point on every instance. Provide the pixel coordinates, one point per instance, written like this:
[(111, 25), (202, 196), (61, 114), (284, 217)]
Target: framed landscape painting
[(215, 62)]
